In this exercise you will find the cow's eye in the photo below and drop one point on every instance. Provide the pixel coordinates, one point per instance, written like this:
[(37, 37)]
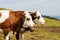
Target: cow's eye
[(28, 19), (38, 17)]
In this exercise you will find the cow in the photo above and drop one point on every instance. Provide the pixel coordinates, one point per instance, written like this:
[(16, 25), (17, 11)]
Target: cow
[(35, 16), (14, 21)]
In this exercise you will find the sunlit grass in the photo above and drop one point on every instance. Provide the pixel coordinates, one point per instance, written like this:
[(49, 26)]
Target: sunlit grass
[(51, 22), (39, 34), (42, 34)]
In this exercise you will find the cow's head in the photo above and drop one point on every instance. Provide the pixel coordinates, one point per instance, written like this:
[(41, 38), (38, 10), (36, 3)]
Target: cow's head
[(37, 16), (28, 20)]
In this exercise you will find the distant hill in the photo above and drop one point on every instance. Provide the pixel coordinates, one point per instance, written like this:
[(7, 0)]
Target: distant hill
[(4, 9), (55, 18), (51, 22)]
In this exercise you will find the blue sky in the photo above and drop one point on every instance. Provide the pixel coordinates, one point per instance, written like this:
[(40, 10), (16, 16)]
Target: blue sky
[(47, 7)]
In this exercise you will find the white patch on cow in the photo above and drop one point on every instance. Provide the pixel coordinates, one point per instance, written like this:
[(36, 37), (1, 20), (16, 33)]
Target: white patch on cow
[(9, 34), (27, 23), (5, 15), (41, 20)]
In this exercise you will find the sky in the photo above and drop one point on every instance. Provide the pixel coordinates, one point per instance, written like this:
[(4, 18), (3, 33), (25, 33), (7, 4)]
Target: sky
[(46, 7)]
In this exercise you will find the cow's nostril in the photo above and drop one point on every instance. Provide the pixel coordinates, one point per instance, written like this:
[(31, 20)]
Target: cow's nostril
[(28, 19)]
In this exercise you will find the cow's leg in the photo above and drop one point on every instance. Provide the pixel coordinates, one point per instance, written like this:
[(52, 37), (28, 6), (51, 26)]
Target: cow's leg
[(7, 35), (17, 36), (22, 36)]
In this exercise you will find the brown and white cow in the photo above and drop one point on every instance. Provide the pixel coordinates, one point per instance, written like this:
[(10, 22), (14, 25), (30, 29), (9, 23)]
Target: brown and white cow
[(35, 16), (14, 21)]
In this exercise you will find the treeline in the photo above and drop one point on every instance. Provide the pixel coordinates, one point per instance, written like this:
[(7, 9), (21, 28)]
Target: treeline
[(50, 17)]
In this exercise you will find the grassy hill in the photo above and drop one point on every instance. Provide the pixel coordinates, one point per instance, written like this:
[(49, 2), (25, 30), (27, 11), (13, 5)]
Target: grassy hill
[(40, 33), (51, 22), (4, 9)]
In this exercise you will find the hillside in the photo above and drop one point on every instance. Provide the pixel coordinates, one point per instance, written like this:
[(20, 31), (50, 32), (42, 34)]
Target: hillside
[(4, 9), (51, 22)]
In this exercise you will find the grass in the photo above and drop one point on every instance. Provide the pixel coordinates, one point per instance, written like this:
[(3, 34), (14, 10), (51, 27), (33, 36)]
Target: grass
[(50, 22), (40, 33), (43, 34)]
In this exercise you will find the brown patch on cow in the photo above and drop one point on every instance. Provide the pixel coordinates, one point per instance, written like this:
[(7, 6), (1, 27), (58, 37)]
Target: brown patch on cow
[(33, 15), (0, 14)]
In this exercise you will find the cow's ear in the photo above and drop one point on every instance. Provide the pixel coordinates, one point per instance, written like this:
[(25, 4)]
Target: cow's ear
[(37, 11)]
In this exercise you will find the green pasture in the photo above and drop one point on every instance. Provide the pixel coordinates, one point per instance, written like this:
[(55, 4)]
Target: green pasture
[(51, 22)]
